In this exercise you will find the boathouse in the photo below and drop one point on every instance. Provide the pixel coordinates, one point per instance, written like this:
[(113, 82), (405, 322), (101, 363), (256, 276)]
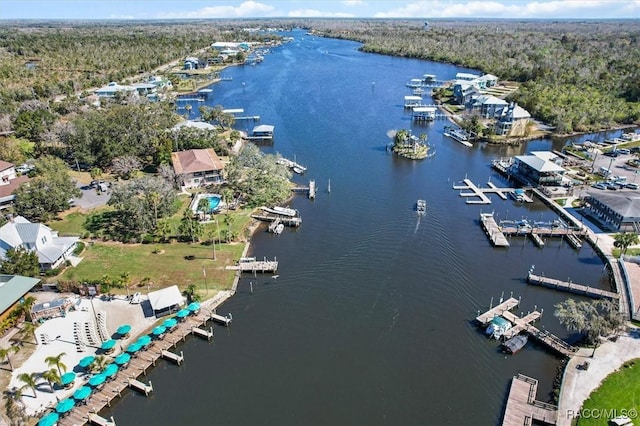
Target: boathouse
[(619, 212), (411, 101), (424, 113), (262, 132), (539, 168)]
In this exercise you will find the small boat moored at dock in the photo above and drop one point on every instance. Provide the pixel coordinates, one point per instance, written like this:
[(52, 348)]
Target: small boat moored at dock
[(516, 343), (284, 211), (497, 327), (458, 135)]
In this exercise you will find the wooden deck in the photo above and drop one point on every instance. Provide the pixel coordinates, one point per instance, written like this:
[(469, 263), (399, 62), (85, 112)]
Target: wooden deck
[(493, 231), (505, 306), (571, 287), (128, 374), (286, 221), (522, 407), (255, 266)]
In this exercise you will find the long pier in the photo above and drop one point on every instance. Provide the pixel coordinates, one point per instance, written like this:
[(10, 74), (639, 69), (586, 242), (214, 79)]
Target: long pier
[(492, 230), (522, 407), (255, 266), (571, 287), (287, 221), (524, 325), (128, 374)]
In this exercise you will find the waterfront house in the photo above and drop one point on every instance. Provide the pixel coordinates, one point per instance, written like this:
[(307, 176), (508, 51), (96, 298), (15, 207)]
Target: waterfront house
[(13, 288), (512, 120), (538, 168), (619, 211), (201, 125), (51, 249), (197, 167), (486, 81), (193, 63), (464, 91), (489, 106), (465, 76), (9, 182)]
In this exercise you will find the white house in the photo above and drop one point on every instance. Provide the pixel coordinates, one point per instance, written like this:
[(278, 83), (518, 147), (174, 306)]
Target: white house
[(9, 182), (489, 105), (52, 250), (112, 89)]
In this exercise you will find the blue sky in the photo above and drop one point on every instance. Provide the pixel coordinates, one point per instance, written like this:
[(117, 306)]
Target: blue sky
[(188, 9)]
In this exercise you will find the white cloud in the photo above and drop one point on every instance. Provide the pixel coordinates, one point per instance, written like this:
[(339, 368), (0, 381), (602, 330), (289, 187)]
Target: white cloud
[(515, 9), (314, 13), (353, 3), (247, 9)]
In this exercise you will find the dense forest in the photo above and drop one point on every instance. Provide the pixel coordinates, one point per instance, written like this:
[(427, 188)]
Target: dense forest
[(576, 76)]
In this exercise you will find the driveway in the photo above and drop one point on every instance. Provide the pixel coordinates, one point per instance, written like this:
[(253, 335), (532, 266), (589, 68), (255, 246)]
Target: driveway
[(90, 198)]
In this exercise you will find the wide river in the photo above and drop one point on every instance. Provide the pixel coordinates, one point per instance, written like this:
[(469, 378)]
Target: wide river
[(371, 318)]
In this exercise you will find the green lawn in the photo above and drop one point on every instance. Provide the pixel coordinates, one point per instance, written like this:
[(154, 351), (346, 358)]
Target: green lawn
[(620, 391), (168, 266)]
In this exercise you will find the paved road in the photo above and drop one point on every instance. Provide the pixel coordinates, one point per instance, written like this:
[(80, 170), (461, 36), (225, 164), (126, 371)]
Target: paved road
[(90, 198)]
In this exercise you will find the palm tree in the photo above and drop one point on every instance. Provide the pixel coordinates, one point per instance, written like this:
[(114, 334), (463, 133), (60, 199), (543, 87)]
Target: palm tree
[(28, 332), (51, 376), (100, 363), (624, 240), (124, 280), (29, 380), (228, 221), (4, 354), (56, 361), (154, 199), (25, 306), (14, 407)]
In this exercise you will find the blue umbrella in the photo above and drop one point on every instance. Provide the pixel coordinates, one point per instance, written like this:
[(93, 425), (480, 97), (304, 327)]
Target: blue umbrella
[(170, 322), (97, 379), (86, 361), (110, 370), (122, 359), (123, 329), (182, 313), (108, 345), (134, 347), (65, 405), (159, 330), (82, 393), (49, 420), (67, 378), (144, 340), (193, 306)]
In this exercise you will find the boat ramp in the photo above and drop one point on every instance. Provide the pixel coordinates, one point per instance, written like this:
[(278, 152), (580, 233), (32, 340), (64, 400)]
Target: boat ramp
[(522, 407), (571, 287), (481, 193)]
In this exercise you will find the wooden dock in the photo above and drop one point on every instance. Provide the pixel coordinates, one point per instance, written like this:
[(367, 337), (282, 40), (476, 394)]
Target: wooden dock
[(312, 189), (481, 193), (127, 376), (286, 221), (485, 318), (222, 320), (255, 266), (571, 287), (205, 334), (492, 230), (522, 407)]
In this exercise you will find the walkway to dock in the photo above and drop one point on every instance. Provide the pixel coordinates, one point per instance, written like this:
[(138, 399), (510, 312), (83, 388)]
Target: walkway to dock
[(522, 407), (127, 376), (492, 229), (480, 193), (571, 287)]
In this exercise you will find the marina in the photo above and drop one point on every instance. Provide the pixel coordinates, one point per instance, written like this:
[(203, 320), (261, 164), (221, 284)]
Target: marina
[(481, 193)]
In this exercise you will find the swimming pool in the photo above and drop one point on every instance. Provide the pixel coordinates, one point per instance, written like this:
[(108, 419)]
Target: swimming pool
[(215, 202)]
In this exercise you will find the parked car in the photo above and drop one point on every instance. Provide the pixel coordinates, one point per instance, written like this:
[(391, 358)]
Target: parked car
[(632, 185), (599, 186), (623, 151), (611, 154)]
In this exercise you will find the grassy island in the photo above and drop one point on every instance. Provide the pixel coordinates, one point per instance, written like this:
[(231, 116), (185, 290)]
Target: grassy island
[(409, 146)]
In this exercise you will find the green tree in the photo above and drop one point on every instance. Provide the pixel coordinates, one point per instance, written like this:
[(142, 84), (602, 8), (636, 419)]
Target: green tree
[(29, 380), (624, 240), (48, 193), (190, 228), (5, 352), (100, 363), (14, 407), (56, 361), (191, 293), (594, 319), (228, 221), (20, 261), (28, 332), (51, 376), (203, 206), (25, 306)]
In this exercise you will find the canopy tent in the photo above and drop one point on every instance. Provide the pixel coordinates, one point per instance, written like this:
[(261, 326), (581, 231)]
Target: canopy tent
[(122, 359), (86, 361), (65, 405), (50, 419), (67, 378), (82, 393), (165, 300)]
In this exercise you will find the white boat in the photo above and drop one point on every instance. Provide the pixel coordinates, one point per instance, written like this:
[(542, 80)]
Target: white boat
[(299, 170), (278, 230), (458, 135), (518, 194), (421, 206), (498, 327), (284, 211)]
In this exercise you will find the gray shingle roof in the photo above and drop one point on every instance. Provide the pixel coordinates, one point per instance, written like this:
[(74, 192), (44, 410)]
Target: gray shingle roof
[(625, 204)]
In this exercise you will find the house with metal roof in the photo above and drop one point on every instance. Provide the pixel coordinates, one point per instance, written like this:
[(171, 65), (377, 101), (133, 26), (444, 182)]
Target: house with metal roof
[(619, 211), (464, 91), (197, 167), (12, 290), (537, 169), (489, 105), (114, 89), (51, 249), (512, 120)]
